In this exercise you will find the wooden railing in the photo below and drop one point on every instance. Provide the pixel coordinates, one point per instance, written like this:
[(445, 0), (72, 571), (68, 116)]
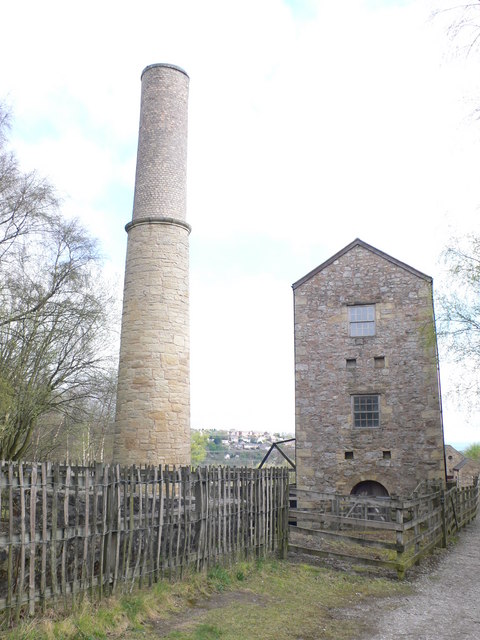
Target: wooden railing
[(69, 530), (390, 533)]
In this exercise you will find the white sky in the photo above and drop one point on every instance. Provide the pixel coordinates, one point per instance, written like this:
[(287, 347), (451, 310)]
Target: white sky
[(312, 123)]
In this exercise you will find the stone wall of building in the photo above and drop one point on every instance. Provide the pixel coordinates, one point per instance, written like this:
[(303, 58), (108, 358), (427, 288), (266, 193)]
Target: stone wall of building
[(398, 363), (153, 397), (467, 472), (452, 458)]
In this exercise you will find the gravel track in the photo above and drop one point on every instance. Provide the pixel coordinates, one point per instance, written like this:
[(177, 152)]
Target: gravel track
[(444, 604)]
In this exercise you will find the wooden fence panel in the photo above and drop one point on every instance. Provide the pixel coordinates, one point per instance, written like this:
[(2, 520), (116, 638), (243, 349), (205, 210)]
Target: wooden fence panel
[(69, 530), (333, 525)]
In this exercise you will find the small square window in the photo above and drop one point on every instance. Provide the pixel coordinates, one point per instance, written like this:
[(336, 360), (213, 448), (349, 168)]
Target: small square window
[(361, 320), (387, 455), (348, 455), (366, 411), (379, 362), (351, 363)]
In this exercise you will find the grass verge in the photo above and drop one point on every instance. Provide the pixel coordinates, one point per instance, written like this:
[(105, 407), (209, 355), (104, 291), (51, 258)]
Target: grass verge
[(254, 600)]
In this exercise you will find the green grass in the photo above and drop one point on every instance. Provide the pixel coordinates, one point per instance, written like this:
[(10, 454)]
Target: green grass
[(294, 601), (202, 632), (263, 600)]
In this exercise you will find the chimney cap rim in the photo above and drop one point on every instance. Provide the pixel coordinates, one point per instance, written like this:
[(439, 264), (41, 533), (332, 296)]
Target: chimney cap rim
[(166, 65)]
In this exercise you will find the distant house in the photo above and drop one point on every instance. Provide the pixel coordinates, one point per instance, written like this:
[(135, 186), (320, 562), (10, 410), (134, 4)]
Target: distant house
[(466, 472), (460, 469), (452, 458), (368, 412)]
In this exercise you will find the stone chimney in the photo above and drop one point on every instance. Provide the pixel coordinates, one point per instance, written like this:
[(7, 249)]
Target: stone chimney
[(153, 398)]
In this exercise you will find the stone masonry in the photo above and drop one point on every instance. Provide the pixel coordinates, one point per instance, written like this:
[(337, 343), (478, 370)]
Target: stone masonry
[(452, 458), (153, 398), (397, 365)]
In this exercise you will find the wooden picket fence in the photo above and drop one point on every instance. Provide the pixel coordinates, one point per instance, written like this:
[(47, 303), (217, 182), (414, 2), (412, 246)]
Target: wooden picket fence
[(69, 530), (391, 533)]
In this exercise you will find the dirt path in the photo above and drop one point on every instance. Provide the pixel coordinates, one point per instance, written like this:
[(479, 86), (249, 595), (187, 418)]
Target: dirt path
[(445, 602), (187, 620)]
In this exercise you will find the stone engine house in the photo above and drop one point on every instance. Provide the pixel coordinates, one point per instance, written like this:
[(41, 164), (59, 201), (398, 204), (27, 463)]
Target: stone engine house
[(368, 406)]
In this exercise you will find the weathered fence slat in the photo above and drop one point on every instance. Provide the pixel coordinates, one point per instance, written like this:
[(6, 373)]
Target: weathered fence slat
[(160, 527), (76, 541), (178, 485), (94, 529), (33, 518), (10, 546), (140, 531), (66, 487), (43, 577), (21, 578), (118, 525), (86, 549)]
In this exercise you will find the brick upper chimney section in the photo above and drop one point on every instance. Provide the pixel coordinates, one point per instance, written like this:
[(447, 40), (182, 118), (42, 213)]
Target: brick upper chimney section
[(161, 176)]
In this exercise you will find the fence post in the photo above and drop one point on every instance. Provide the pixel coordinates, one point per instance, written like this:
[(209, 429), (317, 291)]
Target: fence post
[(400, 542), (107, 529), (416, 528), (284, 515), (444, 519)]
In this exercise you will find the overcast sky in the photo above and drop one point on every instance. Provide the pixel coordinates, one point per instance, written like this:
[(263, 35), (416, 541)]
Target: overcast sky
[(311, 123)]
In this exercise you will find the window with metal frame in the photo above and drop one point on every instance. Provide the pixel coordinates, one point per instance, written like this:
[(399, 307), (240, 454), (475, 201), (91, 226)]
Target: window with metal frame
[(361, 320), (366, 411)]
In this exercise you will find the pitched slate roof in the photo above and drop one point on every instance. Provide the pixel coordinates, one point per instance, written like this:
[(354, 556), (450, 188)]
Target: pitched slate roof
[(360, 243), (462, 463)]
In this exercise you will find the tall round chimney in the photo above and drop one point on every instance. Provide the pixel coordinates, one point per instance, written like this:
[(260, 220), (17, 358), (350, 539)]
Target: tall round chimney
[(152, 423)]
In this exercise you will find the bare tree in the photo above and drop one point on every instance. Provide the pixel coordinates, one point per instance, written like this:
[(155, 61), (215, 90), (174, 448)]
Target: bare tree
[(459, 317), (54, 311), (459, 305), (464, 25), (82, 434)]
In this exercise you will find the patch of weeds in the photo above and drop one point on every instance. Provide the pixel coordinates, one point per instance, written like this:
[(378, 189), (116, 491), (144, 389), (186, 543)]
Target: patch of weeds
[(25, 632), (82, 625), (86, 633), (243, 570), (202, 632), (161, 587), (107, 618), (311, 569), (274, 565), (259, 564), (207, 632), (219, 577), (132, 606)]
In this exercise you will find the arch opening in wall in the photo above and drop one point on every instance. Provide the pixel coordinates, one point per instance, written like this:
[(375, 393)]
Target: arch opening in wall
[(369, 488)]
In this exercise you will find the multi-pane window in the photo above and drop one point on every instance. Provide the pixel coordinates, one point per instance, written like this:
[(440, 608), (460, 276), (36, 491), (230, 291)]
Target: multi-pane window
[(366, 411), (361, 319)]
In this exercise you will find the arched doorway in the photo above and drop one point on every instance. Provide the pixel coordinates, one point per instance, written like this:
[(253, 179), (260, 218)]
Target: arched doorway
[(369, 488)]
